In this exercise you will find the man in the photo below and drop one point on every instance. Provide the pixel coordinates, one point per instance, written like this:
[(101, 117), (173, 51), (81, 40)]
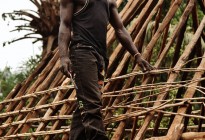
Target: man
[(84, 55)]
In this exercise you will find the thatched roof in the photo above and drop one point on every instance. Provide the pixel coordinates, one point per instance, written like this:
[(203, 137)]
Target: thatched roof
[(166, 103)]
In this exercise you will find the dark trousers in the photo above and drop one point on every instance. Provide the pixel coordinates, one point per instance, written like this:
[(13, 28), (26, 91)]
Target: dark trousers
[(87, 123)]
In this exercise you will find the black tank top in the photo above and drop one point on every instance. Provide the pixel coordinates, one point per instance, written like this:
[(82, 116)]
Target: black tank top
[(89, 25)]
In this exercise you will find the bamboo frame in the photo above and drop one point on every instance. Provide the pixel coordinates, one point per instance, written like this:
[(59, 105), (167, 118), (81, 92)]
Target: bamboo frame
[(135, 104)]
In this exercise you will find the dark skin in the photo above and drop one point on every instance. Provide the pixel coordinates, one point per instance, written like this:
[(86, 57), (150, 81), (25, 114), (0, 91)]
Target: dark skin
[(67, 8)]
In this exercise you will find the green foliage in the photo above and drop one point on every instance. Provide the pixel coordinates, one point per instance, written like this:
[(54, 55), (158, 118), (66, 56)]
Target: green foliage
[(122, 5), (29, 65), (9, 78)]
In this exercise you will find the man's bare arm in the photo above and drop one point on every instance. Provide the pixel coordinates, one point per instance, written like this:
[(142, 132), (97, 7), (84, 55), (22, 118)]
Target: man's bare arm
[(64, 36), (125, 38), (121, 33)]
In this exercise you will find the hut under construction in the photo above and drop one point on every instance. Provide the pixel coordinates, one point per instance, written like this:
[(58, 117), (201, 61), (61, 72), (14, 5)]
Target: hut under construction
[(164, 104)]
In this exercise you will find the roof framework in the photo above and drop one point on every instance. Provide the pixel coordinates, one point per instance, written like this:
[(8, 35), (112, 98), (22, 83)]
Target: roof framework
[(166, 103)]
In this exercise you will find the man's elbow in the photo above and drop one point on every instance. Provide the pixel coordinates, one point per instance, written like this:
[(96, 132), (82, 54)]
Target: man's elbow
[(120, 32)]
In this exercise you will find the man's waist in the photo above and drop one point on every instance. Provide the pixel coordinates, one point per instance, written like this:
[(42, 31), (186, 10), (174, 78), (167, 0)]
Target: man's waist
[(81, 46)]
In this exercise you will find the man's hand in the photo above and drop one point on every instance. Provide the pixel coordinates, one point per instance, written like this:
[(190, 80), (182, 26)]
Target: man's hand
[(66, 66), (145, 66), (64, 35)]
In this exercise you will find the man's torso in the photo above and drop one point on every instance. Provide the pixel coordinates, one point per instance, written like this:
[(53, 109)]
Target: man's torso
[(89, 23)]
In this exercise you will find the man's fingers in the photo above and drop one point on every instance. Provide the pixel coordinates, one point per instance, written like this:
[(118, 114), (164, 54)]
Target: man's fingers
[(143, 67), (149, 67), (65, 71), (62, 69)]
